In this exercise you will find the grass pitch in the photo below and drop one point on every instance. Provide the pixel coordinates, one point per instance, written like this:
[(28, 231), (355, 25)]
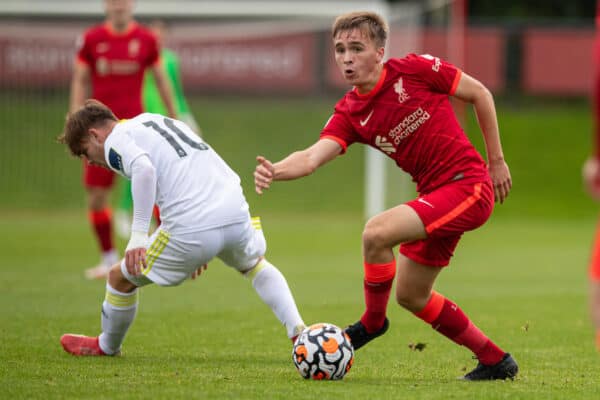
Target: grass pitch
[(521, 278), (522, 281)]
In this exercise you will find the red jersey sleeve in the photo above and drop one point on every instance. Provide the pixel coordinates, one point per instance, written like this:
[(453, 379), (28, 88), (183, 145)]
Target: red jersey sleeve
[(439, 75), (339, 128)]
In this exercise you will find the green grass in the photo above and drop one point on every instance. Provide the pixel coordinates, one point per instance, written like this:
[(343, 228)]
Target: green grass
[(545, 145), (522, 277), (522, 281)]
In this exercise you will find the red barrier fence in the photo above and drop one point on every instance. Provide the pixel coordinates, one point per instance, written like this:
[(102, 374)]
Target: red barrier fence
[(553, 61)]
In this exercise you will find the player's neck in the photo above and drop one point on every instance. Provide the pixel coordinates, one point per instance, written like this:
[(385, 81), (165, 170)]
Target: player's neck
[(374, 81), (111, 126), (118, 27)]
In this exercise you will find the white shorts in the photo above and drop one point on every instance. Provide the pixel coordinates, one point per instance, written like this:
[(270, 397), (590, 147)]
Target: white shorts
[(172, 258)]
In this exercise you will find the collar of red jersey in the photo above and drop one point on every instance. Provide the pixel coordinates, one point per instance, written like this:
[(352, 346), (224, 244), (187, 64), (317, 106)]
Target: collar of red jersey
[(378, 85), (130, 27)]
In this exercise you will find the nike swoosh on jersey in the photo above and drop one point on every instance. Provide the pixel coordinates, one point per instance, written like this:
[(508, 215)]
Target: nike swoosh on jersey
[(422, 200), (363, 122)]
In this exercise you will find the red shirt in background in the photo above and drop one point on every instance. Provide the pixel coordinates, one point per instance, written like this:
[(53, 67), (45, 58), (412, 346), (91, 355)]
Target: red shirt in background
[(117, 62), (408, 116)]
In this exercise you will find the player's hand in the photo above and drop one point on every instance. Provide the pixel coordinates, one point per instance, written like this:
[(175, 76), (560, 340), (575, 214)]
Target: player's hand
[(135, 253), (198, 272), (591, 177), (135, 260), (501, 179), (263, 174)]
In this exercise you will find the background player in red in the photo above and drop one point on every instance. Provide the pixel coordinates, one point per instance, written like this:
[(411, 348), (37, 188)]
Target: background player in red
[(401, 107), (591, 178), (111, 61)]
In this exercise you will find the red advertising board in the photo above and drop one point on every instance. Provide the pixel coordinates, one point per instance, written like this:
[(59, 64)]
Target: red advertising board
[(298, 61), (269, 64), (557, 61), (43, 57), (37, 54)]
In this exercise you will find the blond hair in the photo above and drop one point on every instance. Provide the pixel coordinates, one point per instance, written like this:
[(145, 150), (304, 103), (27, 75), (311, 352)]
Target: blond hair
[(91, 115), (370, 23)]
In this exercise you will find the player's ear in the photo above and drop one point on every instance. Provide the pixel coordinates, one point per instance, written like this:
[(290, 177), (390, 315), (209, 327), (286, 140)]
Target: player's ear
[(93, 133), (380, 53), (97, 134)]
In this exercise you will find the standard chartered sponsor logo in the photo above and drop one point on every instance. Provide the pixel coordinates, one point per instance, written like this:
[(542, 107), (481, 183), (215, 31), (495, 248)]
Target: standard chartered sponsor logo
[(408, 125), (384, 145)]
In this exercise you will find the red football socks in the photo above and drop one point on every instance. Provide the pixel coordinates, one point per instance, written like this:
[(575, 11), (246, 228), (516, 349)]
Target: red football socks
[(448, 319), (377, 287), (156, 214), (102, 223)]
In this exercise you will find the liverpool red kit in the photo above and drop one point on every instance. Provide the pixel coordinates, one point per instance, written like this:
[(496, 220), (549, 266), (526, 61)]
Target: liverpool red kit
[(408, 116)]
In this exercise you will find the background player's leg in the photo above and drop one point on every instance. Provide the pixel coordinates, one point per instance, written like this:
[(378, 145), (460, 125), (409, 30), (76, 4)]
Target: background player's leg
[(156, 215), (100, 217), (124, 209)]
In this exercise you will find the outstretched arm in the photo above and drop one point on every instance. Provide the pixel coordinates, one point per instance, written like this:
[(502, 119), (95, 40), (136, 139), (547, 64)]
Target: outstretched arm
[(474, 92), (80, 84), (296, 165)]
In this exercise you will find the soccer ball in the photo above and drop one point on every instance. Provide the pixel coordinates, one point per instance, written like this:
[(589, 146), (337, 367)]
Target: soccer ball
[(323, 351)]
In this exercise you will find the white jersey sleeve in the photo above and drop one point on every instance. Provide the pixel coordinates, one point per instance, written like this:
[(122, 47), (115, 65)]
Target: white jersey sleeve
[(120, 150)]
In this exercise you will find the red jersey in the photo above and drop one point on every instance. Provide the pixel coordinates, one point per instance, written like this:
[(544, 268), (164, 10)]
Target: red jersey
[(117, 62), (408, 116)]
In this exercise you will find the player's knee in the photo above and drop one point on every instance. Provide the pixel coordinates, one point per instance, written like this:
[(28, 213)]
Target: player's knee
[(373, 235), (410, 301), (97, 198), (259, 264)]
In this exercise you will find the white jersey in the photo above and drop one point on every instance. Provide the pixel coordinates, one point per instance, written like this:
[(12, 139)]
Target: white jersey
[(195, 189)]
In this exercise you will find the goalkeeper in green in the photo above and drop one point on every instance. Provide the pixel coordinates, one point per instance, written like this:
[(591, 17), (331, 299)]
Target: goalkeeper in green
[(151, 97)]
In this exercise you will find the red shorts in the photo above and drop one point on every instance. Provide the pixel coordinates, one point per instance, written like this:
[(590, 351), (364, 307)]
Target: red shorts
[(94, 176), (595, 261), (447, 213)]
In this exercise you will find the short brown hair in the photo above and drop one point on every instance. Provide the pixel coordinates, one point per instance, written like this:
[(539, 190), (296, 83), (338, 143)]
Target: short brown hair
[(91, 115), (368, 22)]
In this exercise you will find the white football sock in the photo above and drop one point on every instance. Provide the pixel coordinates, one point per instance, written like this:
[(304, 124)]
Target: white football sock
[(273, 289), (118, 312), (110, 258)]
